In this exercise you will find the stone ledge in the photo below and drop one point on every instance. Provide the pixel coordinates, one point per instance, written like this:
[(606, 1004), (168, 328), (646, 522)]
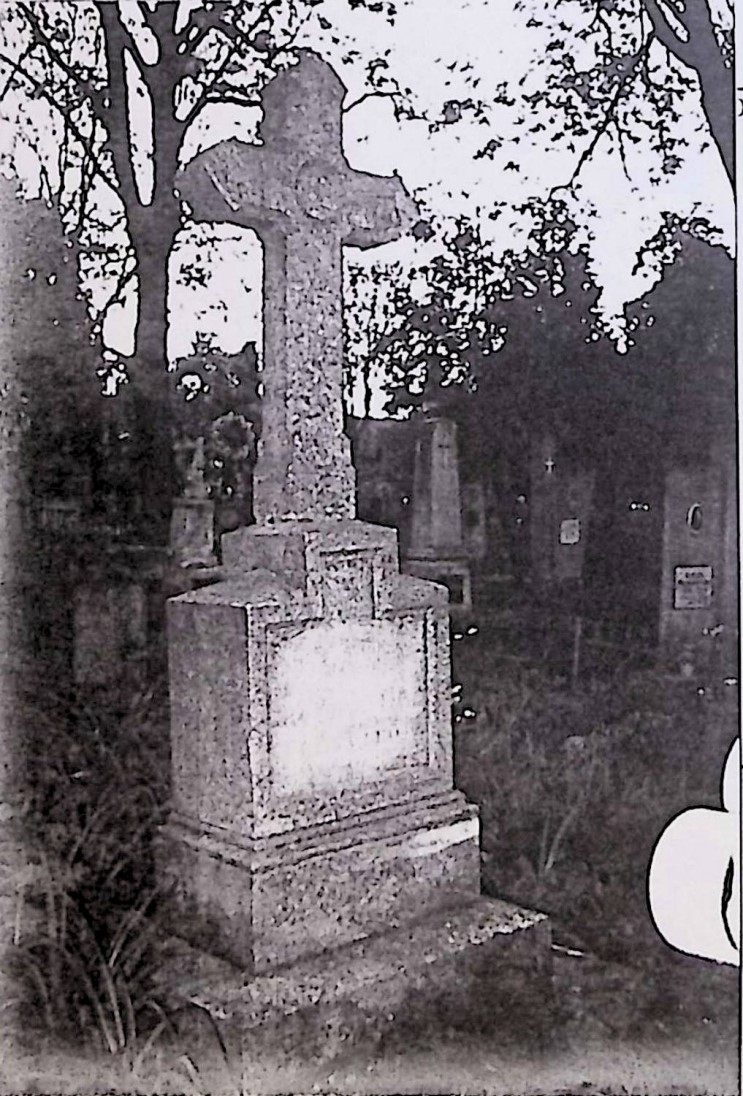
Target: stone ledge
[(370, 981)]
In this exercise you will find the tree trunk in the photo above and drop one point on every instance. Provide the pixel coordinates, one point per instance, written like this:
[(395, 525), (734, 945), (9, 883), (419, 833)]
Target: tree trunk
[(151, 229), (702, 53)]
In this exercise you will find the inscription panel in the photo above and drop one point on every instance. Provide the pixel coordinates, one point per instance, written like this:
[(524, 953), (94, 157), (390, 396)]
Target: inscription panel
[(347, 704), (692, 587)]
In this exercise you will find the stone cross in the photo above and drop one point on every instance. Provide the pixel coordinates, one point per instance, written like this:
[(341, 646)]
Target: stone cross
[(297, 191)]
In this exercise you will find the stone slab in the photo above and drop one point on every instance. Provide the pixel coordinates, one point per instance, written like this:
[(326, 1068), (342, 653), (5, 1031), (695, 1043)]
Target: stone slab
[(312, 796), (265, 902), (362, 987)]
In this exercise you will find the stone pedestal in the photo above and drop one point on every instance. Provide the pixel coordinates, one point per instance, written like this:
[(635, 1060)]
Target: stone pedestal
[(436, 550), (459, 964), (313, 799)]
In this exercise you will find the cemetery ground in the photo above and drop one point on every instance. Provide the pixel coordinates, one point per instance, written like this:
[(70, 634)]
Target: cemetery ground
[(574, 781)]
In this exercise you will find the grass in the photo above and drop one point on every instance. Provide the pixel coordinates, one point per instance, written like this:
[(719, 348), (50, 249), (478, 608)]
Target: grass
[(574, 786), (86, 908), (85, 955)]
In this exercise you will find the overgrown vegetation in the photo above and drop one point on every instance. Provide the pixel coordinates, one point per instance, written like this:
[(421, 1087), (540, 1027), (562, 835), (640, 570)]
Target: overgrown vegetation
[(576, 785), (86, 916)]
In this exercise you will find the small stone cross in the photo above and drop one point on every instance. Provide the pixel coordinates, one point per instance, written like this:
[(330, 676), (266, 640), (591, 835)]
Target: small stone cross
[(549, 465), (297, 191)]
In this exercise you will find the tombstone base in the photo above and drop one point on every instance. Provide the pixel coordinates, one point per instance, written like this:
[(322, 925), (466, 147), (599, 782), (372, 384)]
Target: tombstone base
[(313, 798), (453, 573), (269, 901), (461, 963)]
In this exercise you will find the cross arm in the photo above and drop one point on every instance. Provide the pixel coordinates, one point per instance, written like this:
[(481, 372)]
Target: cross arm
[(224, 183), (380, 210)]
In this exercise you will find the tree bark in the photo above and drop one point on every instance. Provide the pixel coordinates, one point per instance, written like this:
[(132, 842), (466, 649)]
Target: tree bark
[(152, 229), (702, 53)]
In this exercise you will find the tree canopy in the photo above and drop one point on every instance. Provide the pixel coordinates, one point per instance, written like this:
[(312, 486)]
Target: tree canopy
[(525, 131)]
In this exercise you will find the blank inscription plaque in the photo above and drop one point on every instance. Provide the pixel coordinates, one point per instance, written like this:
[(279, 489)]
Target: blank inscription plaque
[(347, 704)]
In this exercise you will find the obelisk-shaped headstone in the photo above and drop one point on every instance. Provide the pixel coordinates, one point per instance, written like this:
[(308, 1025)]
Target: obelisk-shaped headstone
[(436, 549)]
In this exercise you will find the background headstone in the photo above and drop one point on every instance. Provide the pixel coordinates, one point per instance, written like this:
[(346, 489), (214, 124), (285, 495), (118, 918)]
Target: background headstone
[(192, 529), (573, 509), (543, 480), (436, 549), (699, 581)]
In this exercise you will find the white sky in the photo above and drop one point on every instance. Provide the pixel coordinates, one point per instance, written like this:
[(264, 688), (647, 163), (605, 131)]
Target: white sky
[(434, 49)]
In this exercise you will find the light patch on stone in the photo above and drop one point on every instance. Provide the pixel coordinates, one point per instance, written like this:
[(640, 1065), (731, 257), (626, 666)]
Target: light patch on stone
[(431, 841), (347, 704)]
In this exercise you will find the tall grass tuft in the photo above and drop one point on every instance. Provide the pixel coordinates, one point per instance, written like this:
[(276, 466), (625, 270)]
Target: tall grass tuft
[(87, 912)]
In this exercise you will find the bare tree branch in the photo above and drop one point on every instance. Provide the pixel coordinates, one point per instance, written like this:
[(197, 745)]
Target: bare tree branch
[(240, 41), (41, 89), (370, 95), (606, 121), (43, 39), (16, 67)]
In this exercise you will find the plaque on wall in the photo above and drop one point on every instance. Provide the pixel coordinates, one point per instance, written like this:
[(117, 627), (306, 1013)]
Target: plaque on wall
[(692, 587), (570, 531)]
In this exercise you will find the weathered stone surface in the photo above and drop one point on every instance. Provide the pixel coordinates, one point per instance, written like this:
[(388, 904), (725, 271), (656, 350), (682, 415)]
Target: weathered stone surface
[(266, 902), (362, 987), (436, 550), (253, 619), (300, 195), (323, 726)]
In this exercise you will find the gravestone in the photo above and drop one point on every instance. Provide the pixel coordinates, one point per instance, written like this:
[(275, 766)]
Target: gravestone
[(475, 521), (436, 548), (192, 520), (575, 495), (699, 579), (313, 801), (543, 477), (561, 499)]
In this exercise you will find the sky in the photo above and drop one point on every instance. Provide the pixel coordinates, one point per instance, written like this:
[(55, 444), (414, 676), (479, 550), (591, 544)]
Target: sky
[(434, 49), (486, 50)]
